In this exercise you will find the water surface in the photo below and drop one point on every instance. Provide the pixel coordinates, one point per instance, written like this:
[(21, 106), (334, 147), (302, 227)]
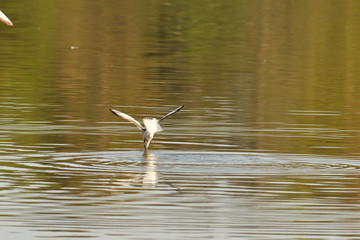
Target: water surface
[(181, 195), (266, 146)]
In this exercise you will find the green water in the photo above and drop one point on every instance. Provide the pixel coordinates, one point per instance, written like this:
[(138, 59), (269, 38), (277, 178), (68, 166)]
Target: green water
[(266, 146)]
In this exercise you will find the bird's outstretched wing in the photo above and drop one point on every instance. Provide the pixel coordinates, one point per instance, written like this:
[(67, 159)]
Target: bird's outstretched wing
[(127, 117), (4, 18), (171, 113)]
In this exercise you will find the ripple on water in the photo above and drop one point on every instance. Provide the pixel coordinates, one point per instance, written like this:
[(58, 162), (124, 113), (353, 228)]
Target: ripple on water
[(179, 194)]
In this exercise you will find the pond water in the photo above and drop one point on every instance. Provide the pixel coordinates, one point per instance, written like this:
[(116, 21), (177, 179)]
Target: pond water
[(266, 147)]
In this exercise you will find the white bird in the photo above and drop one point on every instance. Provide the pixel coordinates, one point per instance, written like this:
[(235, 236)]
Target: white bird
[(4, 18), (152, 125)]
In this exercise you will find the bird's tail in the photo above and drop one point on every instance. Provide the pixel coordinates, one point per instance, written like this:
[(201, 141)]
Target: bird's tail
[(152, 125)]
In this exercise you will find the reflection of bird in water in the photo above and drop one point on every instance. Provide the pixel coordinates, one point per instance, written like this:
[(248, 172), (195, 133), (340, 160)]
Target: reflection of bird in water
[(4, 18), (150, 178), (152, 125)]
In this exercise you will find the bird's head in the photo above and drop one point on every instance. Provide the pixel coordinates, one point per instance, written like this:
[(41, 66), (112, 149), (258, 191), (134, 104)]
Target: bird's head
[(147, 140)]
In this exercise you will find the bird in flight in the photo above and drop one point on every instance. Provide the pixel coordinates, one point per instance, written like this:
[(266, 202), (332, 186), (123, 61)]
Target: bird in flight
[(4, 18), (152, 125)]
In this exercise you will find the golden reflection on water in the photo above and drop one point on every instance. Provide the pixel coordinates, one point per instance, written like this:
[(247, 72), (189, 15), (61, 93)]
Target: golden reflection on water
[(245, 80), (258, 78)]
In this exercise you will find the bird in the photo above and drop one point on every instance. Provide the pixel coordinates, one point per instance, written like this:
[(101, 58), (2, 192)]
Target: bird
[(4, 18), (152, 125)]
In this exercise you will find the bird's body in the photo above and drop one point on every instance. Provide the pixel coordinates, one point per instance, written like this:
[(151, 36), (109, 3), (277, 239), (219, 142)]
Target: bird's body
[(152, 125), (4, 18)]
